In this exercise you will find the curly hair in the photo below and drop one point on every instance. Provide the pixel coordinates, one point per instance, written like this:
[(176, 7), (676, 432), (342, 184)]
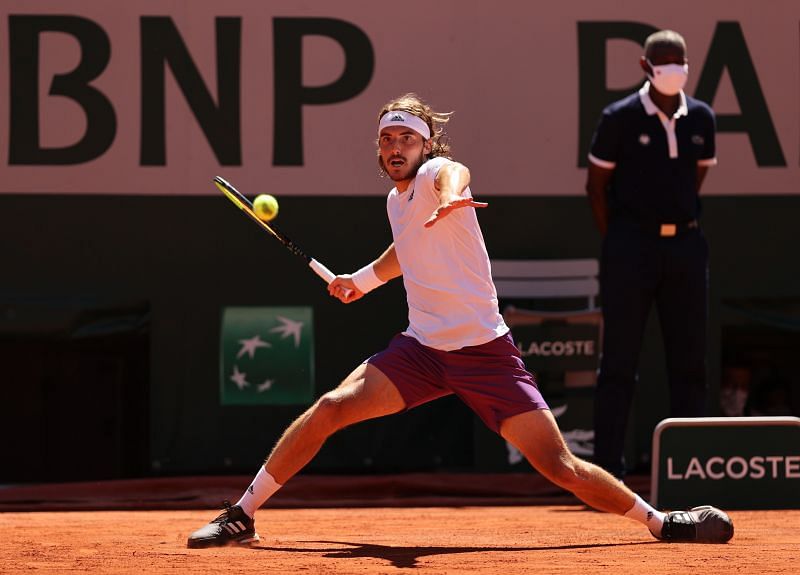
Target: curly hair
[(413, 104)]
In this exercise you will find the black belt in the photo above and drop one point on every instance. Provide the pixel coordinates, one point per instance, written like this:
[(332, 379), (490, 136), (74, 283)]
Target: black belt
[(663, 229), (667, 230)]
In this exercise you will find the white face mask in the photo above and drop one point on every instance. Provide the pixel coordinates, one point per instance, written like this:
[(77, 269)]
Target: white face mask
[(669, 79)]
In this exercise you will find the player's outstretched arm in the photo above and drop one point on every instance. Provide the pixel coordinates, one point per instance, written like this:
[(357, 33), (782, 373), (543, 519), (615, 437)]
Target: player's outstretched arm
[(451, 181)]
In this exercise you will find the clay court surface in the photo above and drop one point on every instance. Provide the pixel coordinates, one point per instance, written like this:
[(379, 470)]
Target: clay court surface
[(393, 524), (423, 540)]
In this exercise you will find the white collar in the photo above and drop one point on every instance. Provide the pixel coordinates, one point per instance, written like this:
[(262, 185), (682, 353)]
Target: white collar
[(651, 108)]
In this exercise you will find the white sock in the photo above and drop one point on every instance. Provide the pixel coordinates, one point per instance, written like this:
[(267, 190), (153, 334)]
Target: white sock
[(643, 512), (261, 489)]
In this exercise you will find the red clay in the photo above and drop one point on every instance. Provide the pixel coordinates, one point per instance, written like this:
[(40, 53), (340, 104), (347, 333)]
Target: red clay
[(539, 540)]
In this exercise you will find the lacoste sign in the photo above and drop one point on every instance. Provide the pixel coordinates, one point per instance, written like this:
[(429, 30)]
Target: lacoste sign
[(558, 345), (730, 462), (716, 468)]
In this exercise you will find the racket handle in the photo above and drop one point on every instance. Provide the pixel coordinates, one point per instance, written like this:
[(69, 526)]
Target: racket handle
[(324, 273)]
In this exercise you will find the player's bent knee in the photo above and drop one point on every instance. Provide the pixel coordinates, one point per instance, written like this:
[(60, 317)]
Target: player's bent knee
[(329, 411), (364, 394), (567, 476), (563, 469), (577, 475)]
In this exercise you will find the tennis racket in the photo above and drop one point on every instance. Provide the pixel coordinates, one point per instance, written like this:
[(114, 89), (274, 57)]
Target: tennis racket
[(241, 202)]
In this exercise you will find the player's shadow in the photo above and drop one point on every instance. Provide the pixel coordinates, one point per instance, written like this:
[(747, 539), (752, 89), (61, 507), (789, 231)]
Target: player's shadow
[(404, 557)]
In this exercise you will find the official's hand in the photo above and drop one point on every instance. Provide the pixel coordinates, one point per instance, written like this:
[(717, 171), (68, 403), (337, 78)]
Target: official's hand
[(339, 287), (455, 203)]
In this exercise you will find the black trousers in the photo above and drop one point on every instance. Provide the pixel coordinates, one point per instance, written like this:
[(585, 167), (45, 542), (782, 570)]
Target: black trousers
[(638, 270)]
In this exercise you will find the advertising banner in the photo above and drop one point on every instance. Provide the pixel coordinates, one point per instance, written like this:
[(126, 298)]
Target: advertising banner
[(558, 346), (157, 98), (564, 358), (267, 356), (729, 462)]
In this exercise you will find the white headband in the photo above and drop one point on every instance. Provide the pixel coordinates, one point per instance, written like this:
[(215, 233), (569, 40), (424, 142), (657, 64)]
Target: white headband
[(400, 118)]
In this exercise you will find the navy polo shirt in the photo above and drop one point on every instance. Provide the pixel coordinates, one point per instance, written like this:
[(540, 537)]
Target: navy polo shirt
[(654, 157)]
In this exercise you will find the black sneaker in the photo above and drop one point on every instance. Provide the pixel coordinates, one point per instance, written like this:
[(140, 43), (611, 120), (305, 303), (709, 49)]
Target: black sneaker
[(703, 524), (232, 526)]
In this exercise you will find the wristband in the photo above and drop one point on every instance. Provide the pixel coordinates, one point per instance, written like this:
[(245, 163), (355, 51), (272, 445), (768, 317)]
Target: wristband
[(366, 279)]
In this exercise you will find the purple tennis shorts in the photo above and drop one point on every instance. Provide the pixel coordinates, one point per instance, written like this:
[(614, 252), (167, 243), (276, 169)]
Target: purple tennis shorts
[(490, 378)]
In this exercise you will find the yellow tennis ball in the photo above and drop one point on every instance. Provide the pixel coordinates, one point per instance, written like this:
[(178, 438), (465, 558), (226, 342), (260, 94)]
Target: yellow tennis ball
[(265, 207)]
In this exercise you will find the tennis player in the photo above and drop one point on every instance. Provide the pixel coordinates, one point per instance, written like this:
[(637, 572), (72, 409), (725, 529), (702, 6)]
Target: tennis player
[(456, 342)]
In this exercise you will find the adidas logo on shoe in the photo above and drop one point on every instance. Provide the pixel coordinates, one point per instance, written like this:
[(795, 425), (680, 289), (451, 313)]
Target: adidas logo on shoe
[(232, 526)]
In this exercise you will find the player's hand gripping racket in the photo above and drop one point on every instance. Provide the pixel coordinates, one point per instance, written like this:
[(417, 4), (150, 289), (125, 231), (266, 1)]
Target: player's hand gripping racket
[(241, 202)]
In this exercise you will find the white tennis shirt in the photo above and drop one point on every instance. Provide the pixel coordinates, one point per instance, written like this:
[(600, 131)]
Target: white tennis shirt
[(452, 301)]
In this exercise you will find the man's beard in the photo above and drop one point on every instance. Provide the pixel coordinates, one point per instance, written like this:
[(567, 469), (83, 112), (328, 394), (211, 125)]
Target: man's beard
[(414, 167)]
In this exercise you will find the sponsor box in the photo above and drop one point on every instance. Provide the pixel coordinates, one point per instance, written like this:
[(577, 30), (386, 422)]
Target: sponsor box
[(267, 356), (729, 462), (563, 357)]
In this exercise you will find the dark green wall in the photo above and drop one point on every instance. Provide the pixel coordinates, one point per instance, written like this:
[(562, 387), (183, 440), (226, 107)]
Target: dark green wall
[(189, 257)]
